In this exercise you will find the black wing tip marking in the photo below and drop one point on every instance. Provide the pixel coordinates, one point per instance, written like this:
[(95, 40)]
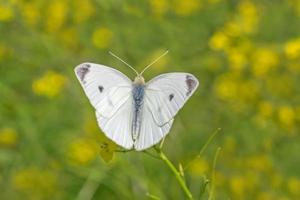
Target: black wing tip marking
[(191, 83), (82, 70)]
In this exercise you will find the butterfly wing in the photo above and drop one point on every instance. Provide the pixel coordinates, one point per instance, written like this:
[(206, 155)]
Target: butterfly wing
[(164, 97), (109, 91)]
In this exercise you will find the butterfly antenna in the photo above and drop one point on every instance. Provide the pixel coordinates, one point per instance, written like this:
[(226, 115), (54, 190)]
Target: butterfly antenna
[(154, 61), (111, 53)]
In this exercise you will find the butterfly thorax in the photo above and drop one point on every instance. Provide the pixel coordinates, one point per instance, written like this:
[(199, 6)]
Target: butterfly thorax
[(138, 92)]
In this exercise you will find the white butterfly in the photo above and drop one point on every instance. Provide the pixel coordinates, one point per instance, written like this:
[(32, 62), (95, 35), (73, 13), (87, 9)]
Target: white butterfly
[(135, 114)]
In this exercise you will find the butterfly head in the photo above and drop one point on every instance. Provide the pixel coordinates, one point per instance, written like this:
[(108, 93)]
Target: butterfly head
[(139, 80)]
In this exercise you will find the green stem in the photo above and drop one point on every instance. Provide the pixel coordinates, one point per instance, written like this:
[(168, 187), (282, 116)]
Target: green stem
[(179, 178)]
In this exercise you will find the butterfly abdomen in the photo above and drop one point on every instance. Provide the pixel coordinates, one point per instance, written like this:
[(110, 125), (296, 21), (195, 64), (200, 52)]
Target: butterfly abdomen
[(138, 100)]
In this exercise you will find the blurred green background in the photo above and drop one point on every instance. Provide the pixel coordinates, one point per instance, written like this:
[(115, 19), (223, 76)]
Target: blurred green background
[(246, 54)]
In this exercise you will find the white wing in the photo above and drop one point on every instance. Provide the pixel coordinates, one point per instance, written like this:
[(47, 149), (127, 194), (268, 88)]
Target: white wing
[(164, 96), (109, 91)]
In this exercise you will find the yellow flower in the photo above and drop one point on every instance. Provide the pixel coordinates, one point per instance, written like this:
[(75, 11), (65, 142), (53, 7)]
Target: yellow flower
[(237, 60), (287, 116), (247, 16), (187, 7), (102, 37), (214, 1), (49, 85), (248, 90), (8, 137), (31, 14), (265, 109), (292, 48), (276, 180), (294, 186), (6, 13), (56, 15), (199, 167), (82, 151), (69, 37), (237, 185), (38, 183), (219, 41), (232, 28), (264, 60), (159, 7), (83, 10), (265, 196), (259, 162), (226, 88)]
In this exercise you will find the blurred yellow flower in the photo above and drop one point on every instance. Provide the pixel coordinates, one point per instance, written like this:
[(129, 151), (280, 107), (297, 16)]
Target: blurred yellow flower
[(56, 15), (276, 180), (247, 16), (237, 185), (265, 109), (248, 91), (237, 60), (265, 196), (226, 87), (69, 37), (219, 41), (259, 162), (264, 60), (199, 167), (287, 116), (83, 10), (292, 48), (82, 151), (159, 7), (214, 1), (6, 13), (30, 13), (38, 183), (187, 7), (232, 28), (293, 185), (49, 85), (102, 37), (8, 137)]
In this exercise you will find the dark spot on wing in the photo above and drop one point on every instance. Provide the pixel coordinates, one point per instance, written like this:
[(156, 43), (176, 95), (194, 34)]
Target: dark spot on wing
[(171, 96), (82, 71), (101, 88), (191, 84)]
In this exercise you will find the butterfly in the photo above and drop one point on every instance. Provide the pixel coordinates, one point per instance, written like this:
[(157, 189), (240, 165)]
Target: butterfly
[(135, 114)]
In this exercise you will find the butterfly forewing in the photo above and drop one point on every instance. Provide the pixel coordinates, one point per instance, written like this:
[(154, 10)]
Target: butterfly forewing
[(167, 93), (109, 91)]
